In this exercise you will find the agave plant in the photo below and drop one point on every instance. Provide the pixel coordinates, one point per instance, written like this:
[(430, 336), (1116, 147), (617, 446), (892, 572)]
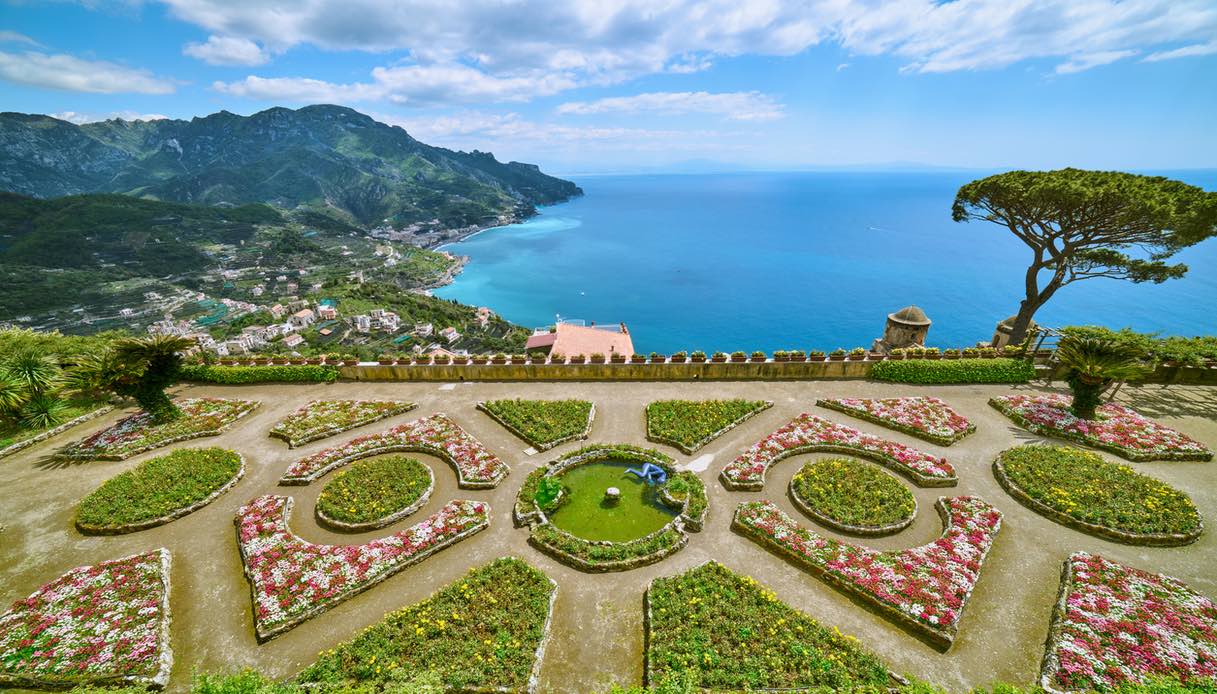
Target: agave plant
[(37, 373), (43, 411), (1095, 363), (12, 393)]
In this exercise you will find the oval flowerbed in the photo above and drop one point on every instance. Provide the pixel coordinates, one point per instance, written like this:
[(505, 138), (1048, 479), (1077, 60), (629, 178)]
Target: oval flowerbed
[(374, 493), (1082, 490), (159, 490), (853, 497)]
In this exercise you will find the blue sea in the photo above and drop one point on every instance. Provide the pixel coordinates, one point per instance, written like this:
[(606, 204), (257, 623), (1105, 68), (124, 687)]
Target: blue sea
[(793, 261)]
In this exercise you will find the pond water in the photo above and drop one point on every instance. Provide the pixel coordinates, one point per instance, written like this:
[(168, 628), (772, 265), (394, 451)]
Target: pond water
[(586, 514)]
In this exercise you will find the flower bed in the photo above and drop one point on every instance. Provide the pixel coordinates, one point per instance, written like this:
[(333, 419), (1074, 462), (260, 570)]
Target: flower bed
[(853, 497), (322, 418), (374, 493), (543, 424), (924, 417), (809, 434), (476, 467), (104, 624), (292, 580), (734, 635), (1118, 429), (31, 438), (484, 632), (159, 490), (1115, 625), (137, 433), (922, 588), (691, 424), (1082, 490), (602, 556)]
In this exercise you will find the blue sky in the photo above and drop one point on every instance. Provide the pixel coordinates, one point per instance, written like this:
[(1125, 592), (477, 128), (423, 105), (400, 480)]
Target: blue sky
[(597, 85)]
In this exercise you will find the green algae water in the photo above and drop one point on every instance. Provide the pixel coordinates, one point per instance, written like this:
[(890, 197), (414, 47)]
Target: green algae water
[(585, 513)]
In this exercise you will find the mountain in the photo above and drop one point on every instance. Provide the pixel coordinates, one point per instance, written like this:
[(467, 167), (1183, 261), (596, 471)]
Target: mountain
[(322, 158)]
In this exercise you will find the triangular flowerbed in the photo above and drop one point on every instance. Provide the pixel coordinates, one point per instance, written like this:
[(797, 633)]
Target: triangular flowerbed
[(725, 628), (293, 580), (323, 418), (691, 424), (924, 417), (543, 424), (1116, 625), (138, 433), (485, 632), (924, 589), (101, 624)]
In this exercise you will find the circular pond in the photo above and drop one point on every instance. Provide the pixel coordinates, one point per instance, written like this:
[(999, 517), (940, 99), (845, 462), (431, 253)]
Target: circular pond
[(586, 512)]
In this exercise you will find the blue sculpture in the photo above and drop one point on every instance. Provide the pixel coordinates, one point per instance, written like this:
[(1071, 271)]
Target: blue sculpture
[(650, 473)]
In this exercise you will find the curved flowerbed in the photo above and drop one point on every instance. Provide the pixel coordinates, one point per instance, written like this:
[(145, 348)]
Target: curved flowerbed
[(1116, 625), (292, 580), (921, 416), (1082, 490), (853, 497), (320, 419), (137, 434), (1118, 429), (374, 493), (476, 467), (808, 433), (690, 424), (159, 490), (106, 624), (543, 424), (924, 589)]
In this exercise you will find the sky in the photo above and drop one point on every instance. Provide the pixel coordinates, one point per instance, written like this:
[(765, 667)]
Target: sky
[(599, 85)]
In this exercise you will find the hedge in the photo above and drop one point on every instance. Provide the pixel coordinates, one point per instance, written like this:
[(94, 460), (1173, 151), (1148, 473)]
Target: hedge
[(309, 373), (953, 371)]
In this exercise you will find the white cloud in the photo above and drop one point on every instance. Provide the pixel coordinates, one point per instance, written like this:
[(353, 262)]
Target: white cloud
[(227, 50), (747, 106), (1078, 63), (61, 71), (82, 118), (469, 126), (15, 37), (1194, 50)]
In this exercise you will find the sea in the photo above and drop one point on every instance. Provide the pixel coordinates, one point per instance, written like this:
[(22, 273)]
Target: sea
[(806, 260)]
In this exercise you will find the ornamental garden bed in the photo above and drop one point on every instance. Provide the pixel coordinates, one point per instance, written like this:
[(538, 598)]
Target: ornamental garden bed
[(924, 417), (1118, 429), (104, 625), (543, 424), (374, 493), (1081, 490), (924, 589), (137, 434), (564, 504), (483, 633), (691, 424), (733, 634), (853, 497), (23, 438), (476, 467), (320, 419), (292, 580), (159, 490), (808, 433), (1116, 626)]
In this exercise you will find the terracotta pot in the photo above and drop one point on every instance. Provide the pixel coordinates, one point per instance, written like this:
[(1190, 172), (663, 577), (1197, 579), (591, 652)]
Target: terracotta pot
[(279, 361), (678, 360), (499, 360), (738, 359), (314, 361), (385, 362), (781, 358), (758, 359), (697, 360), (659, 359), (718, 360), (519, 360), (817, 357), (932, 356), (836, 357), (350, 362), (857, 357), (876, 356)]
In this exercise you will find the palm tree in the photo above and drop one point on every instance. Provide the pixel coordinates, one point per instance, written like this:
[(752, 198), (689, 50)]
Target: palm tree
[(29, 382), (12, 393), (143, 367), (1094, 364), (37, 373)]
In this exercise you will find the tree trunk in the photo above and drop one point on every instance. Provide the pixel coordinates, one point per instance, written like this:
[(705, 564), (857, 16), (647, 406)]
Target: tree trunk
[(1086, 395), (1018, 331), (155, 402)]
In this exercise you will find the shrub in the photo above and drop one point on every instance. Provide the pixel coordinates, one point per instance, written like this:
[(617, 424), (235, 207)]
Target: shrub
[(372, 490), (230, 375), (953, 371), (852, 493)]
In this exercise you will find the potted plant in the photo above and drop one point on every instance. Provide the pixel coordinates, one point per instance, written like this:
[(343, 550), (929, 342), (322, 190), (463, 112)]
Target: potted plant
[(816, 355), (294, 360), (499, 358), (460, 359), (987, 352), (557, 358), (617, 358), (577, 359), (333, 358), (227, 361), (679, 358), (519, 358), (897, 354), (261, 360), (481, 359), (969, 352), (638, 358), (422, 358), (657, 358), (385, 359), (279, 359), (719, 357), (796, 355), (876, 356), (781, 355), (597, 358), (837, 354), (932, 353), (537, 357), (698, 357), (441, 359), (759, 356), (951, 353), (1012, 351), (739, 357), (314, 360), (857, 354)]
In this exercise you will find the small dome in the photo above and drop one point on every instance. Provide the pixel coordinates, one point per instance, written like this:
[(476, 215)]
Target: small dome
[(1009, 322), (909, 315)]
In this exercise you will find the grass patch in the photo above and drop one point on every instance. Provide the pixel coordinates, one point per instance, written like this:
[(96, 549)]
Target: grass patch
[(732, 634), (482, 631), (371, 490), (691, 424), (851, 493), (953, 371), (158, 488), (542, 423)]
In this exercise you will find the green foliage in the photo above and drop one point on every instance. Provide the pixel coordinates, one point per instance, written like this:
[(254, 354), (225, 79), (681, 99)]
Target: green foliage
[(1085, 486), (548, 535), (308, 373), (373, 489), (158, 487), (43, 411), (854, 493), (953, 371), (1094, 363), (548, 489), (686, 486), (144, 367), (1192, 351), (542, 423), (691, 424)]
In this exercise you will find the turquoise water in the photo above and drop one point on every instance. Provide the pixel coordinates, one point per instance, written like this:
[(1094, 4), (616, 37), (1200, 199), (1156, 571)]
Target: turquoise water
[(792, 260)]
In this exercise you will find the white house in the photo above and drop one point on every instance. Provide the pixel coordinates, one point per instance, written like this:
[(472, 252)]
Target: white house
[(450, 334), (327, 312), (423, 329), (303, 318), (293, 341), (363, 323)]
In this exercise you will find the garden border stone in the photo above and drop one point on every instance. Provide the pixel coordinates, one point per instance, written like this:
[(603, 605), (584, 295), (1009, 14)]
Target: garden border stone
[(919, 479), (50, 433), (253, 405), (1050, 664), (581, 436), (617, 565), (646, 421), (831, 404), (388, 520), (327, 432), (859, 530)]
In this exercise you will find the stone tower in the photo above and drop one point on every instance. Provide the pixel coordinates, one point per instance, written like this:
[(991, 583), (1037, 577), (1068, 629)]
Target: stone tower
[(907, 327), (1001, 334)]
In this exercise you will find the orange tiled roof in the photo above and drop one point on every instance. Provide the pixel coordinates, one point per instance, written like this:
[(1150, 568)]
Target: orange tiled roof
[(577, 339)]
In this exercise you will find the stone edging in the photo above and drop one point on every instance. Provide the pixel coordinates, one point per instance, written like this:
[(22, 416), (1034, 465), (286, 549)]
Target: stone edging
[(611, 566), (390, 519), (917, 433), (1050, 663), (690, 450), (587, 430), (26, 443), (88, 529), (327, 432), (1126, 453), (890, 463), (1128, 538), (318, 608), (167, 442), (860, 530)]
